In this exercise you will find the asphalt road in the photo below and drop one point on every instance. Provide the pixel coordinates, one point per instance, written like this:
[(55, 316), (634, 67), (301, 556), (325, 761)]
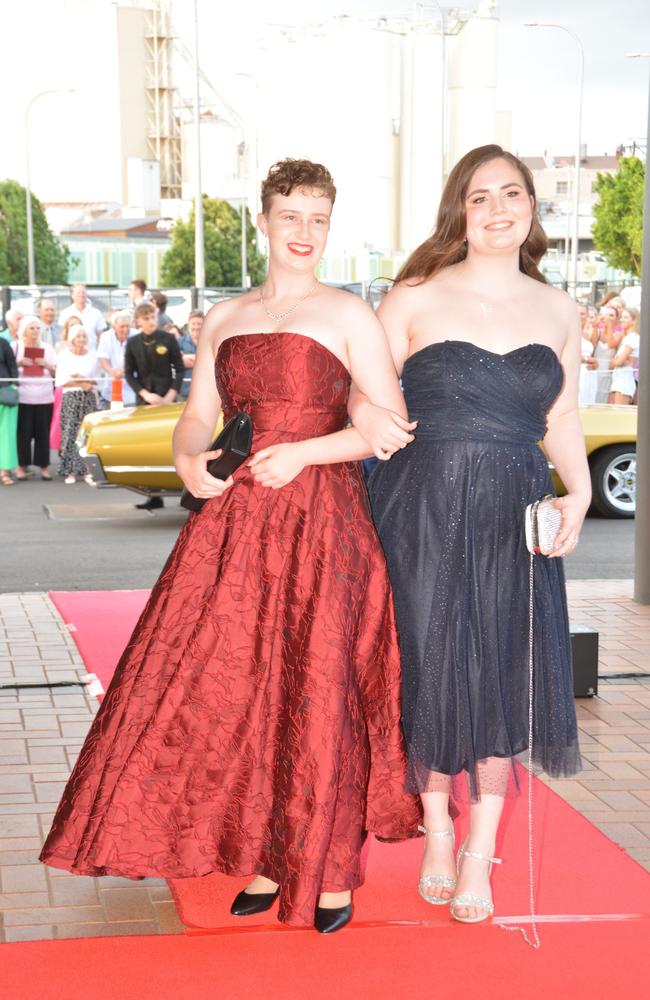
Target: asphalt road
[(57, 537)]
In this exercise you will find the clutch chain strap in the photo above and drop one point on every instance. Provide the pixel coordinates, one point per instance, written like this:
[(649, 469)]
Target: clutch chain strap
[(535, 943)]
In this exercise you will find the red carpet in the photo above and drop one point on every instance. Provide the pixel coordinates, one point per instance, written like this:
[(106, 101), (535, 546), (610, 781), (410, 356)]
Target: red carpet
[(595, 961), (593, 899), (103, 621), (579, 872)]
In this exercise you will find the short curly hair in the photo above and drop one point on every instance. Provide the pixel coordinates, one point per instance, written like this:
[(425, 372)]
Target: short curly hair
[(287, 175)]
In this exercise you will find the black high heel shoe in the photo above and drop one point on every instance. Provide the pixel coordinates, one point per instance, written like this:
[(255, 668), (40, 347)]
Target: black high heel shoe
[(245, 904), (328, 921)]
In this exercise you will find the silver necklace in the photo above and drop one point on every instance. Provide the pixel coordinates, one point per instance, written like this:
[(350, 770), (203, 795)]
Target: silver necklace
[(278, 316)]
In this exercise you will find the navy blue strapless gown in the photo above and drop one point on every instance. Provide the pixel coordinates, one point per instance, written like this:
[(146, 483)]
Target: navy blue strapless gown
[(449, 510)]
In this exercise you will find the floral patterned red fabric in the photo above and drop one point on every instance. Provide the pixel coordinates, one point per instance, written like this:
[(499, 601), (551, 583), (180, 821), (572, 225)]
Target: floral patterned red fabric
[(252, 725)]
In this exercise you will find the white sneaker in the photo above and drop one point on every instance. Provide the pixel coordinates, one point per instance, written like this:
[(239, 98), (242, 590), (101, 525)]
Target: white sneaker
[(89, 479), (69, 480)]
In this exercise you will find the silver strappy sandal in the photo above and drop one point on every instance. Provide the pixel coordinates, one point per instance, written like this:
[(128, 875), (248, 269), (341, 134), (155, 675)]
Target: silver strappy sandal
[(468, 898), (437, 881)]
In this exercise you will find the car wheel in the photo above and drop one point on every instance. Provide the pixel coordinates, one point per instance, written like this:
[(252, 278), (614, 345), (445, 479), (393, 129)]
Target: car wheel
[(613, 481)]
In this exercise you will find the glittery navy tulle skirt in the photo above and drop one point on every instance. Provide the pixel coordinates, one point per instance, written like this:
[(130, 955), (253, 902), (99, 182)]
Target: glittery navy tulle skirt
[(449, 512)]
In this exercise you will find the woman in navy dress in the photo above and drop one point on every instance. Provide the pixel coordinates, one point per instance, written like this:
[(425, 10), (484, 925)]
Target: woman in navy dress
[(489, 356)]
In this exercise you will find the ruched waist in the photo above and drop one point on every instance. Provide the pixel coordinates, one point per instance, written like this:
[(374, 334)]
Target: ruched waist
[(479, 430), (296, 421)]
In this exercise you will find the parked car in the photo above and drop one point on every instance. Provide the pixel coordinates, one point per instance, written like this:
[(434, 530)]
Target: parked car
[(107, 298), (133, 448), (102, 297), (610, 436), (631, 296)]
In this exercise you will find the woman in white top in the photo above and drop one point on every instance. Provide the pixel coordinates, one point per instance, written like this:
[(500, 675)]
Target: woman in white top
[(588, 385), (608, 338), (76, 374), (62, 344), (623, 385), (35, 397)]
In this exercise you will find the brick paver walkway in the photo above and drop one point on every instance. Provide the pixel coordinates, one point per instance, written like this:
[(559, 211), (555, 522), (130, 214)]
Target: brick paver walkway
[(623, 626), (41, 731)]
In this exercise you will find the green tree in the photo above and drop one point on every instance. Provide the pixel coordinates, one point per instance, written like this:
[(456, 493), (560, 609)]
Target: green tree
[(617, 231), (51, 257), (222, 241)]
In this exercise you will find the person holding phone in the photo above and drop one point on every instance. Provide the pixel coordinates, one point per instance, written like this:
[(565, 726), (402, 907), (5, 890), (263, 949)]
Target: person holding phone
[(607, 334)]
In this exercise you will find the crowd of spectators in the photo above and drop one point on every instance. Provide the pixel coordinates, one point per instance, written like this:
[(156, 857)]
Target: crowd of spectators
[(56, 370), (610, 352)]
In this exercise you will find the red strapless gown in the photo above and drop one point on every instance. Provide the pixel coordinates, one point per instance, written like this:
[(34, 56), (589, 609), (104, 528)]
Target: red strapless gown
[(253, 722)]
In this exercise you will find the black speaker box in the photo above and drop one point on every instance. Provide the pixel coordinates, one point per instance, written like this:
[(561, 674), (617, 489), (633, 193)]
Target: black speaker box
[(584, 651)]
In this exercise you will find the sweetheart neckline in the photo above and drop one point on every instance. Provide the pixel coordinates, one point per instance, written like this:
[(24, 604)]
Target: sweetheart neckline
[(477, 347), (284, 333)]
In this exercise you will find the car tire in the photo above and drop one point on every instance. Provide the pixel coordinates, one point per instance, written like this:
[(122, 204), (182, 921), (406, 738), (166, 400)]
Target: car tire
[(613, 481)]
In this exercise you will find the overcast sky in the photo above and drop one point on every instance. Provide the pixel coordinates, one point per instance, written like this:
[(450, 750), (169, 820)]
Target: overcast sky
[(538, 72), (537, 67)]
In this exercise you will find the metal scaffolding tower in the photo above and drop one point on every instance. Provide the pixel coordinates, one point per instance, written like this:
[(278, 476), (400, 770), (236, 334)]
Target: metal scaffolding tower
[(163, 130)]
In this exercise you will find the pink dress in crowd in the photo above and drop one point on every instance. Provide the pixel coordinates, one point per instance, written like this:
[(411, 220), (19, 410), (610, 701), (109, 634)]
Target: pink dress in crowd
[(55, 426)]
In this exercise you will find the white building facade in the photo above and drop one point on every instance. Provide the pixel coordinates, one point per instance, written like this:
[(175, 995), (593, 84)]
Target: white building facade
[(366, 95)]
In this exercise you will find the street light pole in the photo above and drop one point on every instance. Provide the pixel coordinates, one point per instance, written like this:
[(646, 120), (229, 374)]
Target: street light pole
[(244, 250), (31, 266), (199, 246), (243, 150), (642, 520), (578, 153)]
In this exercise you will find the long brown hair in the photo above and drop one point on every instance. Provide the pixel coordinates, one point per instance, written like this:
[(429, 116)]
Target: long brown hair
[(447, 244)]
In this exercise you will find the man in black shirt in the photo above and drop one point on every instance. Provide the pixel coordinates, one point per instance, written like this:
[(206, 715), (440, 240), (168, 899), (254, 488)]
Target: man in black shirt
[(153, 367)]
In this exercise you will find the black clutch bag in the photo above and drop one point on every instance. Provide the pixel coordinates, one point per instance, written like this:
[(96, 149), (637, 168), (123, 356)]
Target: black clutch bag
[(235, 441)]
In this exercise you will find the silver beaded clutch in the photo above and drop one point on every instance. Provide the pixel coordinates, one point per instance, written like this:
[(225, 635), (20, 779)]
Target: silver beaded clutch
[(542, 522)]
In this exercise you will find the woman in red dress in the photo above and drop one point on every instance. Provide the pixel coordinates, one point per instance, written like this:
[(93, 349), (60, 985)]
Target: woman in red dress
[(252, 726)]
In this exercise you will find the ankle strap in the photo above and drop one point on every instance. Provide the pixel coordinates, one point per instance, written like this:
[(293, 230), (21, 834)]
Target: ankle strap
[(436, 833), (482, 857)]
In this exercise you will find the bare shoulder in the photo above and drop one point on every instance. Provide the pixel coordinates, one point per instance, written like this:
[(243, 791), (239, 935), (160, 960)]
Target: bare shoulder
[(346, 303), (405, 296), (550, 295), (222, 313), (353, 317), (558, 313), (568, 305)]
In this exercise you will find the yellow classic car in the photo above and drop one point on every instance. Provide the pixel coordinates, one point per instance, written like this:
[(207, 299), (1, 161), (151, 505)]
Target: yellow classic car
[(610, 439), (132, 448)]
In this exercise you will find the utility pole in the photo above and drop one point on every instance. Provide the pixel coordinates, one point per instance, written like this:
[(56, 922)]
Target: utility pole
[(642, 520), (199, 248)]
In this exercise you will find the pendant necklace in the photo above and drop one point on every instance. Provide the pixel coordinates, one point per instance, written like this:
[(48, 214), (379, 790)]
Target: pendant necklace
[(276, 317)]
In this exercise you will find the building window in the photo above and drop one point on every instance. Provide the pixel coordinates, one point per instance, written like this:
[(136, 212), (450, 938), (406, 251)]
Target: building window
[(561, 187)]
